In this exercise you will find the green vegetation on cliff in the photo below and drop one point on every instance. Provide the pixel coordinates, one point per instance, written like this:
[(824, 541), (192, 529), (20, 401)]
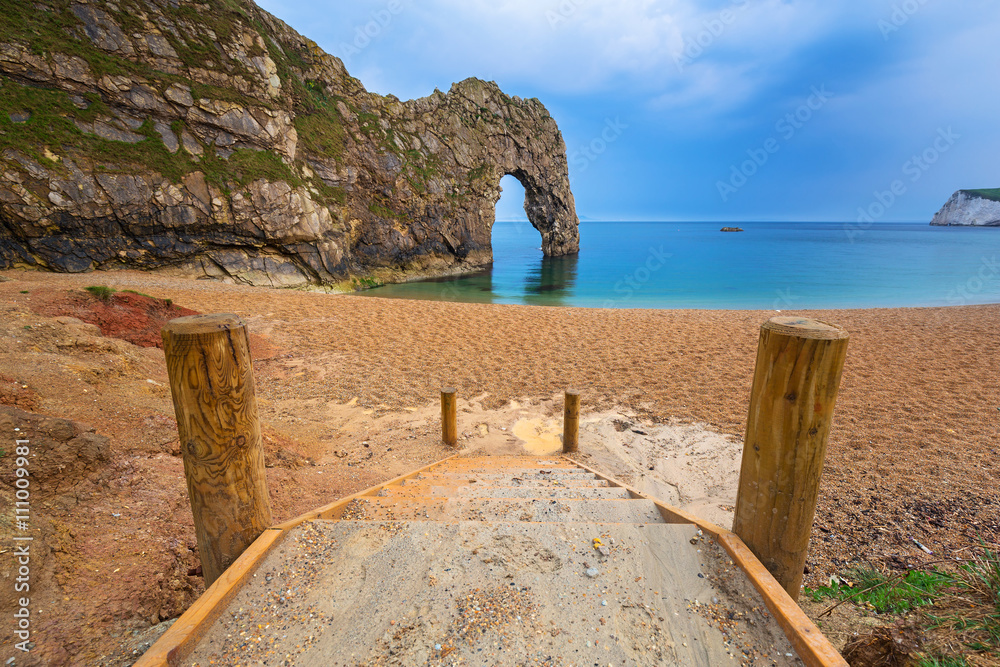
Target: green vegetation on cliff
[(108, 107), (48, 125), (988, 193)]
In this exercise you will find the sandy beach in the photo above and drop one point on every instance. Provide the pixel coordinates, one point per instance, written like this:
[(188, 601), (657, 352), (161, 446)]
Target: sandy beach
[(348, 389)]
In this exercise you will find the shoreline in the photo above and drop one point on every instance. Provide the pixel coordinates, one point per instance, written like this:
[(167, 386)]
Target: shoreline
[(357, 287)]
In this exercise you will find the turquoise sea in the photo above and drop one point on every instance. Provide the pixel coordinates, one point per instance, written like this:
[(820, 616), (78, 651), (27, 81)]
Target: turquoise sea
[(770, 265)]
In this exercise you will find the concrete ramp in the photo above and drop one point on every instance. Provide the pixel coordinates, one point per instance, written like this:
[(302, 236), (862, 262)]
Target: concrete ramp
[(493, 561)]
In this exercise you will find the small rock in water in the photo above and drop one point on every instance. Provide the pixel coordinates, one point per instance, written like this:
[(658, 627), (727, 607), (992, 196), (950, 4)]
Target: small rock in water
[(592, 572)]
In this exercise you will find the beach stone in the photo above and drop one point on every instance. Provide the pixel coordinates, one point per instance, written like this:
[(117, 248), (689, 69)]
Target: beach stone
[(592, 572)]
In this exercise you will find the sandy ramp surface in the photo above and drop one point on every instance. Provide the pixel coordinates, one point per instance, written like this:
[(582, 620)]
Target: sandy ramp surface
[(480, 593)]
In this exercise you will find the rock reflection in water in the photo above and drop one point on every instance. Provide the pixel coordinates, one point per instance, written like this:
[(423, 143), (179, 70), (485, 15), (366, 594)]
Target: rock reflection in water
[(551, 282)]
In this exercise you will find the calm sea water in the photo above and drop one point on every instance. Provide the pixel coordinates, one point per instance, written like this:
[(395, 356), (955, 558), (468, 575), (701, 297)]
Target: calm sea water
[(780, 266)]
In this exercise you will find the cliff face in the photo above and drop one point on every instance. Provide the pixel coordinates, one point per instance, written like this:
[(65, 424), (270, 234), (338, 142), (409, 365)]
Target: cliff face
[(970, 207), (210, 139)]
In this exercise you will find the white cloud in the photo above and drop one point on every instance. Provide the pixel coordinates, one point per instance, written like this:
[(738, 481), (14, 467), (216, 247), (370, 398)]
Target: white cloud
[(651, 47)]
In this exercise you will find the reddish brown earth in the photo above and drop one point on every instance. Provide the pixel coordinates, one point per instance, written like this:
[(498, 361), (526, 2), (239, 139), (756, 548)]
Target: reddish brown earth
[(913, 451), (132, 317)]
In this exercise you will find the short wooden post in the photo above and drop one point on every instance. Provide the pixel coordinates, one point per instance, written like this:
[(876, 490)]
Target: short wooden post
[(571, 421), (211, 380), (799, 365), (449, 417)]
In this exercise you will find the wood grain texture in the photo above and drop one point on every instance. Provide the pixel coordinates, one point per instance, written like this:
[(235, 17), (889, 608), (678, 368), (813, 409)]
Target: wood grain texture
[(211, 380), (795, 384), (571, 421), (449, 417)]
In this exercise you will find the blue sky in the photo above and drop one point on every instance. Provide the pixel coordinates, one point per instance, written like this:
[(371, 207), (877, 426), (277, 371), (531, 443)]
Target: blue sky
[(726, 110)]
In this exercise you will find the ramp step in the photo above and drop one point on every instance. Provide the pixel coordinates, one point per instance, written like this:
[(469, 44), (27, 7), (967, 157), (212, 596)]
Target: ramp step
[(452, 479), (488, 491), (523, 473), (504, 463), (492, 509)]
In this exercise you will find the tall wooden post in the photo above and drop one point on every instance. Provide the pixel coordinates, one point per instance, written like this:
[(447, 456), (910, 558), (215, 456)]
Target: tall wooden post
[(799, 365), (571, 421), (449, 417), (211, 380)]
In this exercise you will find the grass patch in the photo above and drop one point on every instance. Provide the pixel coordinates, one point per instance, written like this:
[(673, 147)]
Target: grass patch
[(479, 172), (329, 194), (886, 594), (957, 612), (988, 193), (321, 132), (317, 121), (382, 211), (970, 612), (942, 661), (102, 292), (245, 166)]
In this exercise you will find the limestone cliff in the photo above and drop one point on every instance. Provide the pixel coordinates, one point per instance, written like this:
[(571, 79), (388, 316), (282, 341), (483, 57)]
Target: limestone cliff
[(971, 207), (210, 138)]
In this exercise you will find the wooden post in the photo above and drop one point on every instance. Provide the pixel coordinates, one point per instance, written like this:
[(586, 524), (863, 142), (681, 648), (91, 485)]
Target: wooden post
[(799, 365), (211, 380), (449, 417), (571, 421)]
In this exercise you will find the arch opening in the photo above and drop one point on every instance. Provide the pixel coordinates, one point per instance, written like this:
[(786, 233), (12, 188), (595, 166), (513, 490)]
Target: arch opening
[(510, 206), (520, 265)]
